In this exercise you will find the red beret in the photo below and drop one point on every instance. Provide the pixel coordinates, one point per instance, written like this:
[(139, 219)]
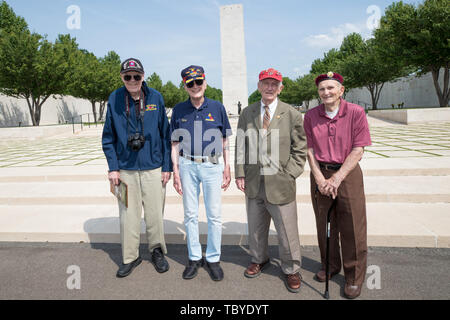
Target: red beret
[(270, 73), (329, 76)]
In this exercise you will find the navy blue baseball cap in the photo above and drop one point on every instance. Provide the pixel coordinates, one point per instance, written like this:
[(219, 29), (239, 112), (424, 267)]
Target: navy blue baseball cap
[(192, 73)]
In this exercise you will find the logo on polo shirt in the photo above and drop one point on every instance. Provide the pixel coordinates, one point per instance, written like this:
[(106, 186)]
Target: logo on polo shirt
[(150, 107), (209, 118)]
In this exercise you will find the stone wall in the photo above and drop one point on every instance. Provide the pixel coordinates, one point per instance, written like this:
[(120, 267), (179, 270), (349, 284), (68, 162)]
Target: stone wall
[(414, 92), (54, 111), (410, 116)]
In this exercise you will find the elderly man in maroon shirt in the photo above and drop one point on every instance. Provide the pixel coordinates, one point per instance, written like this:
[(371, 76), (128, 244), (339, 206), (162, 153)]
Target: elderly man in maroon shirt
[(337, 132)]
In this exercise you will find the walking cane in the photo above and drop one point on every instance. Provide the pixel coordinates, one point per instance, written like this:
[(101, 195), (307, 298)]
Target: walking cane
[(326, 295)]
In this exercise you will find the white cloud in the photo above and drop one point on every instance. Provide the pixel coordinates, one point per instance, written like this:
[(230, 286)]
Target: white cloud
[(334, 38)]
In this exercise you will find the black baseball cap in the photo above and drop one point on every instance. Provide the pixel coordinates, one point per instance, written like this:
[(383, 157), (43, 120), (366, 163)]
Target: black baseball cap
[(131, 64)]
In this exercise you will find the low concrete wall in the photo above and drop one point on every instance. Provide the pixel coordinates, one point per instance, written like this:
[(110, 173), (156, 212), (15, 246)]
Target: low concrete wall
[(414, 92), (409, 116), (34, 132), (54, 111)]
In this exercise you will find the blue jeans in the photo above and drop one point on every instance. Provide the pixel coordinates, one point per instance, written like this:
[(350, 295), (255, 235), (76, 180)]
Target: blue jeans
[(210, 175)]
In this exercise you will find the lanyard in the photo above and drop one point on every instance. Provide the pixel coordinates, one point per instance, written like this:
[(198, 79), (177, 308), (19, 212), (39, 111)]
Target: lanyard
[(139, 113), (141, 105)]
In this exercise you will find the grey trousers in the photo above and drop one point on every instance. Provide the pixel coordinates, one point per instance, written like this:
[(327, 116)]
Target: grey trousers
[(145, 190), (259, 214)]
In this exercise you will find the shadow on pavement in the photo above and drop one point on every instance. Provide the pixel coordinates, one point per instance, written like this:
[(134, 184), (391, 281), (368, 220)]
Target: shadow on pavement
[(101, 238)]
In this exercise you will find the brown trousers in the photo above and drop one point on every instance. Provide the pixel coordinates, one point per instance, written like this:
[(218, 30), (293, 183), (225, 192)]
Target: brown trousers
[(348, 223)]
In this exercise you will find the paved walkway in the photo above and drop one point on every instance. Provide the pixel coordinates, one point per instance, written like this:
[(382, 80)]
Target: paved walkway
[(55, 189), (84, 148), (48, 271)]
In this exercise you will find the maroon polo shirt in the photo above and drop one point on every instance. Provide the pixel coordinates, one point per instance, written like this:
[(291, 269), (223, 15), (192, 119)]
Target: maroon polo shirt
[(333, 139)]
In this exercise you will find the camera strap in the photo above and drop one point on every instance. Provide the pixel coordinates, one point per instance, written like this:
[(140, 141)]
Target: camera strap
[(140, 110)]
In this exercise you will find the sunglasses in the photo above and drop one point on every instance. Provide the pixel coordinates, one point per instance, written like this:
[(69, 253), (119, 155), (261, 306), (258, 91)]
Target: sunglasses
[(197, 82), (136, 77)]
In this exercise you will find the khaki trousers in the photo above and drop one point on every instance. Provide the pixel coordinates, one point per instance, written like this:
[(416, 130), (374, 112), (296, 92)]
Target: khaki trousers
[(348, 224), (144, 190), (259, 214)]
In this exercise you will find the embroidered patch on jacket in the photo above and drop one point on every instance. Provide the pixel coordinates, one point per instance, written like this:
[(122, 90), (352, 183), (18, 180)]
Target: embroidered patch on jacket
[(150, 107), (209, 118)]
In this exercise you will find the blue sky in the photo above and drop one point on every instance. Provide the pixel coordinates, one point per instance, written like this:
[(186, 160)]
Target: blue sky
[(168, 35)]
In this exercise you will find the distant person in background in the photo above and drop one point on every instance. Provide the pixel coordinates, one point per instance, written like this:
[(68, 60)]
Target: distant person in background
[(136, 144), (337, 132)]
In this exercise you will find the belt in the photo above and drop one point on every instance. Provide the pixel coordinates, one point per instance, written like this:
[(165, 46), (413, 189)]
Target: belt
[(328, 166), (201, 159)]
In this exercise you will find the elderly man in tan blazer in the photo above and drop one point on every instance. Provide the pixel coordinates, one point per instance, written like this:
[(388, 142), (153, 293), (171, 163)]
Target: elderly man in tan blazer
[(270, 155)]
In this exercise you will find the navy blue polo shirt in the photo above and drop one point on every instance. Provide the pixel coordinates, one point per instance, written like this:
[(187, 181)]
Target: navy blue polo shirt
[(200, 131)]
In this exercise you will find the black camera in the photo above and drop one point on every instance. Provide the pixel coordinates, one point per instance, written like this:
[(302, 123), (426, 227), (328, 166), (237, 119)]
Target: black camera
[(136, 141)]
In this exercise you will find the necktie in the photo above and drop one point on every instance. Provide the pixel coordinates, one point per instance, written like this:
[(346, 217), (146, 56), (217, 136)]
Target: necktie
[(266, 119)]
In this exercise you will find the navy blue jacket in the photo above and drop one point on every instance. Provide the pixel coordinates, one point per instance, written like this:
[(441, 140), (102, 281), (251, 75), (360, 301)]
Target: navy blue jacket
[(156, 151)]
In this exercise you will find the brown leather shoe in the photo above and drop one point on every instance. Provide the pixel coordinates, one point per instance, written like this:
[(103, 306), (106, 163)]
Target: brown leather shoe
[(320, 276), (254, 269), (293, 282), (352, 291)]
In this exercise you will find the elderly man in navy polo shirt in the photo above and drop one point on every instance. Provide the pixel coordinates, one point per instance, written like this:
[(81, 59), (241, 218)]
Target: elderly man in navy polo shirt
[(199, 130)]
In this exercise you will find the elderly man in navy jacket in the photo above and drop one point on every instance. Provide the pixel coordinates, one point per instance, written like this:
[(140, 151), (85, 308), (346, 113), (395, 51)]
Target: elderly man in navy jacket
[(136, 143)]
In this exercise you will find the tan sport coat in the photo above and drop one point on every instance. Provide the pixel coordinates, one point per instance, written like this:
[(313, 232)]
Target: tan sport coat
[(256, 152)]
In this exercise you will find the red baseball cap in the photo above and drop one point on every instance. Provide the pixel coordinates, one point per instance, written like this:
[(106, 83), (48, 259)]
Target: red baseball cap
[(270, 73)]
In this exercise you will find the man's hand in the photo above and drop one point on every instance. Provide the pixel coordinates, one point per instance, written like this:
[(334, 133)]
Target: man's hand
[(322, 185), (240, 183), (226, 178), (114, 177), (177, 183), (165, 177), (333, 184)]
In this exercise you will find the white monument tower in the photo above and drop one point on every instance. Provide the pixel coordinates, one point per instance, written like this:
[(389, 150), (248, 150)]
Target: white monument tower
[(234, 61)]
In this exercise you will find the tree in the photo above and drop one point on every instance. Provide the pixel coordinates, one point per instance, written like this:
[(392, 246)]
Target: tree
[(109, 76), (331, 62), (363, 65), (171, 94), (419, 38), (184, 95), (254, 97), (9, 22), (155, 82), (213, 93), (85, 82), (33, 68), (291, 92), (307, 89)]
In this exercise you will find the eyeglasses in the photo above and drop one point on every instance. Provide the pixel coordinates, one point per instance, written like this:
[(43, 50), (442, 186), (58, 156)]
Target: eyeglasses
[(137, 77), (197, 82)]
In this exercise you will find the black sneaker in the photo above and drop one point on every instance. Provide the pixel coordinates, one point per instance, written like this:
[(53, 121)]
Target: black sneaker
[(191, 269), (125, 269), (159, 262), (214, 270)]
